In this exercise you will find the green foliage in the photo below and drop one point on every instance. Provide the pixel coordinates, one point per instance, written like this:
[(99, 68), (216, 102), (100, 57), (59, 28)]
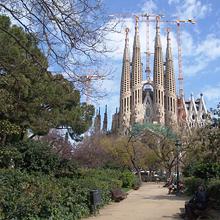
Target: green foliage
[(36, 196), (136, 184), (30, 156), (192, 183), (104, 175), (9, 157), (207, 170), (36, 156), (31, 98), (203, 170), (6, 127), (128, 179), (214, 190), (155, 128), (39, 196)]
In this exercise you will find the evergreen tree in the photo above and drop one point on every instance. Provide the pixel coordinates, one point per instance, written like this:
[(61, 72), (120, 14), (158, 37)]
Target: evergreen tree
[(32, 99)]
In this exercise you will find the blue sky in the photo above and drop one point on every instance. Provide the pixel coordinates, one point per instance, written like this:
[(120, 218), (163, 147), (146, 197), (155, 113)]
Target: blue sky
[(200, 45)]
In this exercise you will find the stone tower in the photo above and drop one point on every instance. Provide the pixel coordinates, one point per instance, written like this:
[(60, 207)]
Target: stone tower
[(170, 88), (105, 121), (97, 123), (158, 78), (115, 123), (146, 101), (125, 93), (136, 80)]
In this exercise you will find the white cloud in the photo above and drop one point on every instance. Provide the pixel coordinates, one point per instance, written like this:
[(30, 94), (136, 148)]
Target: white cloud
[(187, 43), (194, 66), (212, 93), (149, 6), (202, 54), (109, 86), (217, 69), (196, 53), (209, 48), (193, 9), (170, 2)]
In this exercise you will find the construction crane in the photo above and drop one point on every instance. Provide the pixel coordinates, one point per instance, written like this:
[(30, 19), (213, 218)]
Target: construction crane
[(180, 63), (148, 53), (147, 20), (178, 22)]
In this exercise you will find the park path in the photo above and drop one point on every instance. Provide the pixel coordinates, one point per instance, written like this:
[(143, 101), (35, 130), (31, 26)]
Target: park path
[(150, 202)]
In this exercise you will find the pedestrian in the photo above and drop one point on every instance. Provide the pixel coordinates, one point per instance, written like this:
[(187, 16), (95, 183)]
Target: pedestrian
[(198, 202)]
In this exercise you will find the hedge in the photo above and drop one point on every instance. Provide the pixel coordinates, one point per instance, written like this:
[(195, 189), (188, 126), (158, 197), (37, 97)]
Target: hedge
[(192, 183), (36, 184), (214, 190), (36, 195)]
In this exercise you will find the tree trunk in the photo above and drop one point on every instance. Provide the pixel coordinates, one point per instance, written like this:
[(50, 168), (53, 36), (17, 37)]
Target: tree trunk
[(138, 172), (139, 177), (169, 171)]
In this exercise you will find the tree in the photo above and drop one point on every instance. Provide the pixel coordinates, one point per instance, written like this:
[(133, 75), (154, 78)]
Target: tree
[(32, 100), (130, 152), (93, 152), (60, 145), (202, 149), (161, 141), (72, 34)]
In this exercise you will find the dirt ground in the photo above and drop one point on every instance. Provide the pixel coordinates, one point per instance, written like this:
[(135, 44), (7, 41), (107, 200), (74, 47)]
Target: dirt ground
[(150, 202)]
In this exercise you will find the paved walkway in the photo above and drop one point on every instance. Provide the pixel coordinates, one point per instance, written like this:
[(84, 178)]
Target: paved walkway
[(150, 202)]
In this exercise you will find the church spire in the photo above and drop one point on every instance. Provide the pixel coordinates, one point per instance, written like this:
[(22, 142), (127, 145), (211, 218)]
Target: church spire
[(105, 121), (170, 84), (136, 79), (157, 38), (97, 122), (136, 58), (136, 37), (125, 77), (170, 87), (158, 77), (125, 93)]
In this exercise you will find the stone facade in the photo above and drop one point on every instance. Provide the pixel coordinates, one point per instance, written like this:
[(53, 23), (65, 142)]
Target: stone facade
[(156, 101)]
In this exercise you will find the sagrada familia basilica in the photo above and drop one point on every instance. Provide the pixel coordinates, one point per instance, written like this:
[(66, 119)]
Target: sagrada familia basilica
[(152, 101)]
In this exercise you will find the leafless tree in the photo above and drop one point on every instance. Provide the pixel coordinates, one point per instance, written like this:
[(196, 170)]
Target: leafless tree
[(71, 33), (92, 152), (61, 145)]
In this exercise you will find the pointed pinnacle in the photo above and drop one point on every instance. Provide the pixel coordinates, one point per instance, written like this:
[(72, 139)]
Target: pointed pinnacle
[(136, 22), (157, 24), (126, 36), (168, 33)]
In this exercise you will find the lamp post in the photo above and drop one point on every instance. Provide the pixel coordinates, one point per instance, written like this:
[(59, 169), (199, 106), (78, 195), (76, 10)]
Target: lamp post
[(178, 145)]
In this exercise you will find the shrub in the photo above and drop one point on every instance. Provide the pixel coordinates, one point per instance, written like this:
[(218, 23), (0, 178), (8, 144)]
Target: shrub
[(35, 195), (35, 183), (214, 189), (203, 170), (102, 179), (192, 184), (30, 156), (9, 157), (128, 179), (207, 170), (38, 196), (136, 185)]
